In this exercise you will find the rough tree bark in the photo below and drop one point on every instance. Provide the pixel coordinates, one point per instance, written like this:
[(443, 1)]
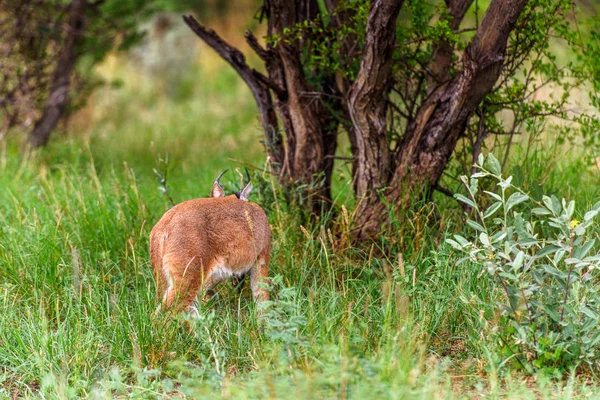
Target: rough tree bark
[(310, 131), (367, 102), (58, 97), (441, 119)]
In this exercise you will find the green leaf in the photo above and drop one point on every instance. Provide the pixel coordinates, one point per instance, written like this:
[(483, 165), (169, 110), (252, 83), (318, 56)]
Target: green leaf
[(454, 244), (570, 208), (528, 241), (581, 252), (513, 297), (517, 173), (475, 225), (494, 195), (505, 184), (508, 275), (590, 214), (493, 164), (521, 229), (461, 240), (540, 211), (551, 311), (515, 199), (499, 236), (473, 187), (580, 229), (480, 159), (518, 261), (324, 12), (552, 270), (555, 205), (538, 275), (558, 256), (492, 209), (547, 250), (595, 340), (552, 204), (588, 312), (484, 238), (536, 191), (465, 200)]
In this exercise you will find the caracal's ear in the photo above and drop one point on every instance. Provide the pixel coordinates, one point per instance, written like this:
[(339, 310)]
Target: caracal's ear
[(245, 192), (217, 189)]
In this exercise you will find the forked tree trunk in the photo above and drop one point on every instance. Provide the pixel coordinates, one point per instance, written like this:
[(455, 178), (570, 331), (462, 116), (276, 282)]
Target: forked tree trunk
[(58, 97), (442, 117), (305, 162), (304, 148)]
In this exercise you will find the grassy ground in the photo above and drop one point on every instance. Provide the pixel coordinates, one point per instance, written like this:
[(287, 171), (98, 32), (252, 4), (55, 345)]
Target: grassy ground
[(77, 294)]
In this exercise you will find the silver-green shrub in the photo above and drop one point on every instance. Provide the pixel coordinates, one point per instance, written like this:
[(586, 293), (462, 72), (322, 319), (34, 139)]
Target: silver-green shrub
[(541, 258)]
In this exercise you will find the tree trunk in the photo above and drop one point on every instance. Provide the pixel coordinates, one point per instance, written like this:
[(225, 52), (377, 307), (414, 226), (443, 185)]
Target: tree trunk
[(367, 100), (305, 162), (303, 128), (441, 119), (58, 98)]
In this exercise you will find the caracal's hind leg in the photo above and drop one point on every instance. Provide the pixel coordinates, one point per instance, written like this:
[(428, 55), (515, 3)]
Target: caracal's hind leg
[(205, 291), (182, 282), (259, 277)]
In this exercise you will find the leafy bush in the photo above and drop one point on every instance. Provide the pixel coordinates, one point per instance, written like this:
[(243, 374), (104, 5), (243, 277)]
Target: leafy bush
[(539, 254), (283, 320)]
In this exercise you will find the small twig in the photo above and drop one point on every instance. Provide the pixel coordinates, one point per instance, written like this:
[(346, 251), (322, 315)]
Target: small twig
[(279, 91), (254, 45), (568, 283), (443, 190), (96, 3), (396, 108), (482, 133), (339, 157), (421, 38), (161, 177)]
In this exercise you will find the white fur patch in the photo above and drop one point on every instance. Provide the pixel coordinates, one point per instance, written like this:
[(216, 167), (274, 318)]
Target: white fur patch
[(221, 271), (169, 280), (193, 308)]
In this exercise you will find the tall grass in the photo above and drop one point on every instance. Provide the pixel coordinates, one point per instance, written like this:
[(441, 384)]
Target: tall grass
[(77, 298)]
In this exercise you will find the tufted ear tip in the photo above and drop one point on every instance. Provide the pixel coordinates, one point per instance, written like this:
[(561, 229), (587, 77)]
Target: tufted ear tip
[(217, 189), (244, 194)]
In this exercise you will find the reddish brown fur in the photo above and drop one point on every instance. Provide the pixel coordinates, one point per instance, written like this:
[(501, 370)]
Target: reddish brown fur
[(198, 239)]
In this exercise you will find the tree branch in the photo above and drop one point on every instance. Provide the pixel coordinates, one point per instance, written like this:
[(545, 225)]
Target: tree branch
[(257, 86), (264, 54), (444, 191), (279, 91)]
